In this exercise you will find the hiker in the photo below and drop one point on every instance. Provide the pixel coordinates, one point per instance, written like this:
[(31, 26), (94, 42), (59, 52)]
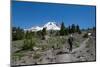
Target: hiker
[(70, 42)]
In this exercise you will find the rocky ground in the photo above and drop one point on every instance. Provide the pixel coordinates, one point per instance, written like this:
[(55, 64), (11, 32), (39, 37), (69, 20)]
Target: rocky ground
[(83, 50)]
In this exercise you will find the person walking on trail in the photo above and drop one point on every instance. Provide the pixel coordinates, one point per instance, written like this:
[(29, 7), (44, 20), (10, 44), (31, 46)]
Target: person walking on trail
[(70, 42)]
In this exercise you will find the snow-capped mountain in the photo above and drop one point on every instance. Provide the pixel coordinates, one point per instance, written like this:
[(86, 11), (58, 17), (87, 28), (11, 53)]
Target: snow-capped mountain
[(48, 26), (51, 26), (36, 28)]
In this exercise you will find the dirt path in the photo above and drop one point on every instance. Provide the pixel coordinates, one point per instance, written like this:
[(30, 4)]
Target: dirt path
[(82, 46), (69, 57)]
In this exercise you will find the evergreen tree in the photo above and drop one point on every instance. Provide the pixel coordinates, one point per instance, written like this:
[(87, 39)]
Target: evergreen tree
[(94, 28), (62, 29), (73, 28), (69, 29), (26, 35), (66, 31), (39, 33), (17, 33), (51, 32), (29, 34), (43, 33), (78, 29)]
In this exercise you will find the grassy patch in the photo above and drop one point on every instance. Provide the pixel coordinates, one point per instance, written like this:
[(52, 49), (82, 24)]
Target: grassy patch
[(17, 56), (28, 44), (56, 42), (77, 44), (36, 56)]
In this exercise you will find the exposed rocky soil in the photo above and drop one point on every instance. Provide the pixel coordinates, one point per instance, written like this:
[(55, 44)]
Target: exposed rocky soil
[(83, 50)]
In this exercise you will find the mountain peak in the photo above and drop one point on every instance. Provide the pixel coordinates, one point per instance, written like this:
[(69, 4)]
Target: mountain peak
[(48, 26), (50, 23), (51, 26)]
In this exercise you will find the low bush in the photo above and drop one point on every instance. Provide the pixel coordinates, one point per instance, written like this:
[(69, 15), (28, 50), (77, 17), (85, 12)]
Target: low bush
[(85, 35), (77, 45), (17, 56), (36, 56), (28, 44)]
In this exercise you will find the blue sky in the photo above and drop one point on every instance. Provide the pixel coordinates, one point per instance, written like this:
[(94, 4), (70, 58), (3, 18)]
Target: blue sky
[(28, 14)]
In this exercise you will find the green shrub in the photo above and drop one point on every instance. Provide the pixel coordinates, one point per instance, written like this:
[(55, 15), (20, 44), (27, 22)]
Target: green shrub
[(17, 33), (28, 44), (62, 29), (77, 45), (29, 34), (85, 35), (36, 56), (17, 56)]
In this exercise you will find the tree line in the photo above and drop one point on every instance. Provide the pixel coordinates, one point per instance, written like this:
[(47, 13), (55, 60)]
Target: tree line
[(19, 34), (69, 30)]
